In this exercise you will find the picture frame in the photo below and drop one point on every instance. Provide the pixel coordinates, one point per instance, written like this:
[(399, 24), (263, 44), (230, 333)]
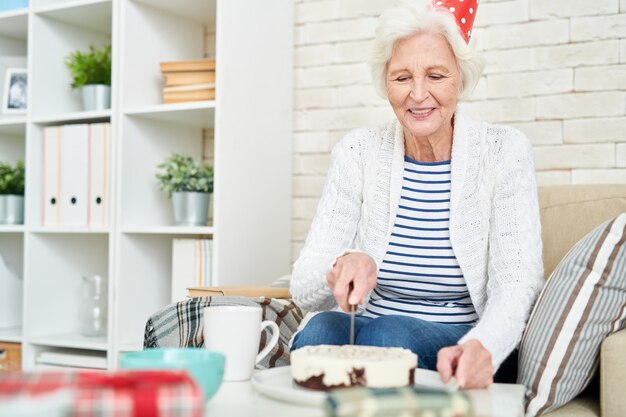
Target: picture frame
[(15, 93)]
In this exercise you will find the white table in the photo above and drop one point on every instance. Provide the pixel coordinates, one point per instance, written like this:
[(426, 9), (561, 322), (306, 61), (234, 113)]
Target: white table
[(240, 399)]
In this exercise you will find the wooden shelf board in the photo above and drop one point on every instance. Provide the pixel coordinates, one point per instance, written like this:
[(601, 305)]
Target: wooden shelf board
[(11, 334), (198, 113), (14, 24), (71, 340), (94, 15), (170, 230), (84, 116)]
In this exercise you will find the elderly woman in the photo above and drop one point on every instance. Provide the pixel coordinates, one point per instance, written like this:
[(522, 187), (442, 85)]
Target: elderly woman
[(429, 223)]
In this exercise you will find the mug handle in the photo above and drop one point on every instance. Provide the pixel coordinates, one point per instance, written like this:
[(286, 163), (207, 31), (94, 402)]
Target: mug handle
[(271, 343)]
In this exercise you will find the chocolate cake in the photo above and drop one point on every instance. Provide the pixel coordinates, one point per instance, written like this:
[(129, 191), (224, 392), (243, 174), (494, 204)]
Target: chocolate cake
[(325, 366)]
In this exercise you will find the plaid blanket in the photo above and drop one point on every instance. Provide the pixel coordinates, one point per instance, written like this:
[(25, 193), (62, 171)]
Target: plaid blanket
[(180, 324)]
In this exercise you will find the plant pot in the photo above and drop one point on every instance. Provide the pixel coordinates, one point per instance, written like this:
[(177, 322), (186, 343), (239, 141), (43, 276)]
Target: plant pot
[(96, 97), (12, 209), (190, 208)]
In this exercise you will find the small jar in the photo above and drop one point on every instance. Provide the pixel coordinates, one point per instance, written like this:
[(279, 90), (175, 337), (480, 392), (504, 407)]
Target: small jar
[(93, 307)]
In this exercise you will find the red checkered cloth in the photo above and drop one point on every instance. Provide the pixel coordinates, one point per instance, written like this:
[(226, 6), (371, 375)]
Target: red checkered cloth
[(115, 394)]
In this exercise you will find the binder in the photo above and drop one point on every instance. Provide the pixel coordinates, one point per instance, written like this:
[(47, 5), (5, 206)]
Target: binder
[(74, 175), (98, 199), (191, 265), (51, 149)]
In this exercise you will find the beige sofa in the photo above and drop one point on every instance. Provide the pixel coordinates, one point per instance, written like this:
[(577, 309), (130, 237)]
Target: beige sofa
[(567, 214)]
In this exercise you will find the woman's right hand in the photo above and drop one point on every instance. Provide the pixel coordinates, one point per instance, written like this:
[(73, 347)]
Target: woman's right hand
[(353, 277)]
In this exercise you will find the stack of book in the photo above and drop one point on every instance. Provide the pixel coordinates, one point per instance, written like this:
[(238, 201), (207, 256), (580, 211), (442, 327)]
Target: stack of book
[(188, 80), (191, 265)]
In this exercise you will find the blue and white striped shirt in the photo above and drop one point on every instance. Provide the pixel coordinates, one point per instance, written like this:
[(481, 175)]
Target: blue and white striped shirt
[(419, 275)]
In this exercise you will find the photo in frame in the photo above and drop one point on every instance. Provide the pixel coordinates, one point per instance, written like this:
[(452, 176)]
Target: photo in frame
[(14, 100)]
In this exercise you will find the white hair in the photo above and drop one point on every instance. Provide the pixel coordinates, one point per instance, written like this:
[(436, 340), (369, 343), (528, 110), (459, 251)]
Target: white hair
[(407, 19)]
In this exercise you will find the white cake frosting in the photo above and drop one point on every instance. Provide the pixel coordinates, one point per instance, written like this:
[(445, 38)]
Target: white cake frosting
[(383, 367)]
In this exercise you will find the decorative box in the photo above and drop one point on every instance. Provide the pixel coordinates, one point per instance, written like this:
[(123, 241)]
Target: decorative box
[(116, 394), (10, 356), (405, 401)]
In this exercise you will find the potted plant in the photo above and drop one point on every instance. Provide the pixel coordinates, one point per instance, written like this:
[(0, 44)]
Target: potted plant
[(91, 73), (12, 193), (189, 184)]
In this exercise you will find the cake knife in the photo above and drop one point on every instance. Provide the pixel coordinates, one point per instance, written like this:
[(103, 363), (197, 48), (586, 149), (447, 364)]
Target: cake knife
[(352, 312)]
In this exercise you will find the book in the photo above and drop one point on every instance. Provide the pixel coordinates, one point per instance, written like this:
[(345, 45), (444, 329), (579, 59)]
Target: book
[(194, 65), (191, 265), (77, 360), (64, 368), (188, 77), (243, 291), (184, 96), (190, 87)]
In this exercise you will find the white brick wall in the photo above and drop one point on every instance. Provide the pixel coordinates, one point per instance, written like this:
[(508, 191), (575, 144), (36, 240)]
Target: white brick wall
[(542, 9), (575, 55), (598, 27), (556, 70), (565, 106)]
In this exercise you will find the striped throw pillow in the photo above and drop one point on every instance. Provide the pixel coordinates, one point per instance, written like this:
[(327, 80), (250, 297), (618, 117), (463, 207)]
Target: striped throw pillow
[(581, 304)]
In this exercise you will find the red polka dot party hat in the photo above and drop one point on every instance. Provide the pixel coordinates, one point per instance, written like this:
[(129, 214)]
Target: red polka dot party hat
[(464, 12)]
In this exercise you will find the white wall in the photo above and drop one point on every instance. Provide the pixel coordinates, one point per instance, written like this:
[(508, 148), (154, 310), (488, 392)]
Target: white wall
[(556, 69)]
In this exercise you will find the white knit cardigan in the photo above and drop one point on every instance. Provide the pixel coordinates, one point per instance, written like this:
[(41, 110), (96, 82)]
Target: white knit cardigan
[(494, 221)]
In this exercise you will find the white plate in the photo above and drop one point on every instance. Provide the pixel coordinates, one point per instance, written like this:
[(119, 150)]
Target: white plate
[(277, 384)]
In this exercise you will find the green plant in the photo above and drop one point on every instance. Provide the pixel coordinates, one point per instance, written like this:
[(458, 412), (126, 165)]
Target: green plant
[(93, 67), (182, 173), (12, 178)]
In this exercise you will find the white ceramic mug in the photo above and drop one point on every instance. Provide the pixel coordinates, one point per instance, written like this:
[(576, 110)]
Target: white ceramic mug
[(235, 331)]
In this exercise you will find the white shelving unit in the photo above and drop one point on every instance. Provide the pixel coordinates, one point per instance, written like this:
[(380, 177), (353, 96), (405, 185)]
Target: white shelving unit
[(250, 126), (13, 50)]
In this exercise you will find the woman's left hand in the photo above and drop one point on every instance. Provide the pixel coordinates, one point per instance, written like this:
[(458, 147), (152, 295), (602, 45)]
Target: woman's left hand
[(470, 363)]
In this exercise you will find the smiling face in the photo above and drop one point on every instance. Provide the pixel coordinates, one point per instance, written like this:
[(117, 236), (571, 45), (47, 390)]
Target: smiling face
[(423, 82)]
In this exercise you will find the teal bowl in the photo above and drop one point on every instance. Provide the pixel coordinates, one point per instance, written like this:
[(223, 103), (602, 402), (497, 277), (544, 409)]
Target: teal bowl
[(205, 366)]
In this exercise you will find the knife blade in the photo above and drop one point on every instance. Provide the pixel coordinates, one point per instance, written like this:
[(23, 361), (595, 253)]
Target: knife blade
[(352, 313)]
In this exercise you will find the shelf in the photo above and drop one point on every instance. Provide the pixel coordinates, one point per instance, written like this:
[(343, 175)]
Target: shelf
[(13, 125), (194, 114), (80, 116), (68, 230), (171, 230), (97, 18), (199, 11), (11, 335), (14, 24), (11, 228), (137, 241), (71, 340), (130, 346)]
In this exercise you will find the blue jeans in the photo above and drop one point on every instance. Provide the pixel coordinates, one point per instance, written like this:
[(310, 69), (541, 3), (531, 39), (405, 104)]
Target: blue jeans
[(424, 338)]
